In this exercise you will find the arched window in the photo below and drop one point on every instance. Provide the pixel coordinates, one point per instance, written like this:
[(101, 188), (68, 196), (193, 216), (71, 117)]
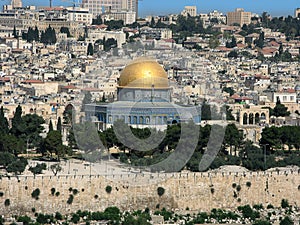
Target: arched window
[(134, 120), (141, 120), (147, 120), (245, 119)]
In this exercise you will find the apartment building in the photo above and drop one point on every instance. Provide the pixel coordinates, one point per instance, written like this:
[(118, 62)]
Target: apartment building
[(239, 16), (98, 7), (189, 10)]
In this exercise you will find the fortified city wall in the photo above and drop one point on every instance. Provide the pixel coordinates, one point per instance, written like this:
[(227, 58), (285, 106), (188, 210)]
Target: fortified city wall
[(198, 191)]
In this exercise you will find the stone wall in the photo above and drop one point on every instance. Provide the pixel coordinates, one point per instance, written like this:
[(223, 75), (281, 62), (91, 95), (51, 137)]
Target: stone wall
[(197, 191)]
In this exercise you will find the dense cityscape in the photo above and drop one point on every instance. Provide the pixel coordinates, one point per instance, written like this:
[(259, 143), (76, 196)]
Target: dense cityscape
[(110, 118)]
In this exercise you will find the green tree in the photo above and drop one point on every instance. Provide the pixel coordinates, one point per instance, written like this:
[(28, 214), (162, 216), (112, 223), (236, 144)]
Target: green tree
[(58, 126), (270, 137), (55, 168), (50, 126), (205, 111), (48, 36), (38, 169), (6, 159), (17, 166), (12, 144), (53, 143), (97, 21), (3, 122), (286, 221), (280, 110), (233, 137), (232, 54), (17, 123), (228, 90), (231, 44), (152, 23), (15, 35), (109, 44), (260, 42), (90, 49), (65, 30)]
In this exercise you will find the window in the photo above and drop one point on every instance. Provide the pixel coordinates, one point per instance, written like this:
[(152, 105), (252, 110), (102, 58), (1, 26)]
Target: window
[(284, 98), (291, 98)]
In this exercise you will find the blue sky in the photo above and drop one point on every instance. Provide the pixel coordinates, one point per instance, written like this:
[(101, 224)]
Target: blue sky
[(275, 7), (163, 7)]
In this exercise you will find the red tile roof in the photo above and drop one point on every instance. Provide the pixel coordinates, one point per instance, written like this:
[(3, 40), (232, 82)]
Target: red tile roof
[(32, 82)]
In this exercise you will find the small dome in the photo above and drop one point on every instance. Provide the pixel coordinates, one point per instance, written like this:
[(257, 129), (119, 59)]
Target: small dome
[(144, 73)]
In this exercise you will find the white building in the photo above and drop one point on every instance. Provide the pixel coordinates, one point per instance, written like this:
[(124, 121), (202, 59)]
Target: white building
[(127, 17), (80, 15), (105, 6), (95, 34), (189, 10)]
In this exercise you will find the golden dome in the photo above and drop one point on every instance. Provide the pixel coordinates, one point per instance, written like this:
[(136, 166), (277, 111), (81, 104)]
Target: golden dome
[(144, 73)]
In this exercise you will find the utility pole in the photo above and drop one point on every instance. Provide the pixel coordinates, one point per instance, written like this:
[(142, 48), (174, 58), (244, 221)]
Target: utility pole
[(50, 3)]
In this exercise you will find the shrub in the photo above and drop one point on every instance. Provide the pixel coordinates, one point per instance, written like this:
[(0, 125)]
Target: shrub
[(70, 189), (25, 219), (238, 187), (239, 200), (75, 191), (270, 206), (284, 203), (26, 188), (82, 190), (248, 184), (33, 210), (52, 191), (160, 191), (70, 199), (234, 185), (286, 221), (57, 194), (1, 194), (108, 189), (96, 196), (7, 202), (75, 218), (258, 206), (234, 194), (58, 216), (212, 190), (35, 194)]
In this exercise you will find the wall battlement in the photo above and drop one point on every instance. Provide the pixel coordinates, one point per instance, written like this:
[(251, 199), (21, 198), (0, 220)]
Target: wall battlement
[(198, 191)]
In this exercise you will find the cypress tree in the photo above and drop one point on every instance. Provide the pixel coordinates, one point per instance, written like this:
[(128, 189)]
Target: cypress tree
[(17, 121), (36, 34), (15, 32), (58, 127), (90, 50), (3, 122), (50, 126)]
